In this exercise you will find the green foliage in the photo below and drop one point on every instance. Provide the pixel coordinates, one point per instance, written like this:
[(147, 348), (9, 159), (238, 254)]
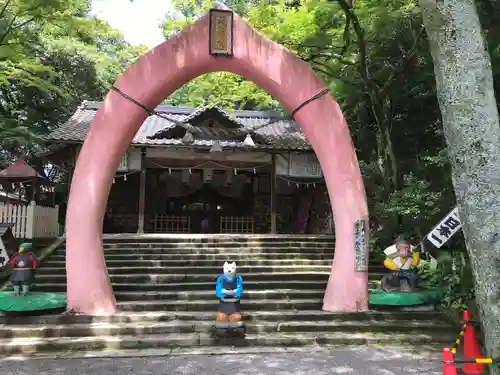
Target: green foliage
[(374, 58), (234, 93), (453, 272), (52, 57), (376, 61)]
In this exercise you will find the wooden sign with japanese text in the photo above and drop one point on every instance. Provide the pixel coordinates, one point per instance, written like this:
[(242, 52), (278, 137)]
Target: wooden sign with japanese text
[(445, 229), (361, 239), (221, 32)]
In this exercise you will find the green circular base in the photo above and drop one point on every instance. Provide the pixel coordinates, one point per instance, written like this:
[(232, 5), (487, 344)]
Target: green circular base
[(32, 302), (423, 297)]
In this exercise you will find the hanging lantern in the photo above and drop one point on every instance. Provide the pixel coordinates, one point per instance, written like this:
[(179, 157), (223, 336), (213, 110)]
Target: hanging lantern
[(188, 138), (249, 141), (216, 147)]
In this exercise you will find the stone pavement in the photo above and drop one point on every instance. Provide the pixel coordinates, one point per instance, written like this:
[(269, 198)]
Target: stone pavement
[(311, 361)]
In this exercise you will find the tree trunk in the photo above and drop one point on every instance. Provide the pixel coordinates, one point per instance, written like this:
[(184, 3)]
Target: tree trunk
[(470, 118)]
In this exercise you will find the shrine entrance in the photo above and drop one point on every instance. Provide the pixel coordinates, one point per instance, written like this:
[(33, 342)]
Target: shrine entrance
[(218, 41), (207, 211)]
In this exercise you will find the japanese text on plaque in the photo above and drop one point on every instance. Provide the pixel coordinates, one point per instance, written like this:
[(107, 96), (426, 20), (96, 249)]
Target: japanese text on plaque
[(361, 245), (220, 33)]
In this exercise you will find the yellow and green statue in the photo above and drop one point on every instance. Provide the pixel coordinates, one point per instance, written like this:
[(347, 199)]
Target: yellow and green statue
[(403, 263)]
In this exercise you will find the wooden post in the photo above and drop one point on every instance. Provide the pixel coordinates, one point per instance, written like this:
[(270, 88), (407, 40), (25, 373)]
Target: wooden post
[(34, 185), (273, 194), (142, 193), (29, 230)]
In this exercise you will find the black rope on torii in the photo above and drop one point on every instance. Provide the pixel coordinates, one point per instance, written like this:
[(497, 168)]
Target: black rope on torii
[(299, 107), (311, 99), (152, 112)]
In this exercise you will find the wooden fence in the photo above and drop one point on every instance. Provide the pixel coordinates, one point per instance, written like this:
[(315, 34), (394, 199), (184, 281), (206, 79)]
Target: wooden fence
[(31, 221)]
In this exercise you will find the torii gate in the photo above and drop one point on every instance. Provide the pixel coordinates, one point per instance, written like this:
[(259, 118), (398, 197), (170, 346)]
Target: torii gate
[(155, 76)]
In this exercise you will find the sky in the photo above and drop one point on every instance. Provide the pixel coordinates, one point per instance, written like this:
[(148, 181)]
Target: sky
[(138, 20)]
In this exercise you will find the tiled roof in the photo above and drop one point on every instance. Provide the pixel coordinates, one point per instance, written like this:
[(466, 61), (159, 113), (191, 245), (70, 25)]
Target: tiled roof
[(20, 170), (281, 133)]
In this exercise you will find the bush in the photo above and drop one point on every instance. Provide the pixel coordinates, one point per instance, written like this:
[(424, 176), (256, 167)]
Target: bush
[(455, 274)]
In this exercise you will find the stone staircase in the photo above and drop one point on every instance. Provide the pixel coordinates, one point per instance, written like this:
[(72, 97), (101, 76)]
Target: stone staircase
[(165, 288)]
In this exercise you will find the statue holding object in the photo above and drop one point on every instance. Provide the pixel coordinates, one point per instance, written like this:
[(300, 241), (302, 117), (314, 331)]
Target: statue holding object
[(23, 265), (229, 289), (402, 264)]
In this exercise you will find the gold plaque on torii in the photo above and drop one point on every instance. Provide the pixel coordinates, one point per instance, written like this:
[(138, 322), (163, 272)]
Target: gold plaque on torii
[(221, 32)]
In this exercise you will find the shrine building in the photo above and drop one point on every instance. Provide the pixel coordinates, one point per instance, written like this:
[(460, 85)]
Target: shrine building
[(207, 170)]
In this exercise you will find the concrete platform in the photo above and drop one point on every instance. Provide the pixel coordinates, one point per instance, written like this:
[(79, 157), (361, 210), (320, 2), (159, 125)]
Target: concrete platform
[(273, 361)]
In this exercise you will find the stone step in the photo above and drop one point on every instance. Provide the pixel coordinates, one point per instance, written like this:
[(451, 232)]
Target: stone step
[(248, 315), (194, 286), (218, 250), (212, 305), (186, 326), (167, 260), (200, 286), (192, 277), (180, 297), (198, 269), (189, 258), (223, 244), (213, 237), (187, 264), (243, 266), (71, 344)]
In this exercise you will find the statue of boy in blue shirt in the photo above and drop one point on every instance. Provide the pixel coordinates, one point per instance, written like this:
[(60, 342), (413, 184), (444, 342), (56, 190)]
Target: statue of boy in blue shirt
[(229, 289)]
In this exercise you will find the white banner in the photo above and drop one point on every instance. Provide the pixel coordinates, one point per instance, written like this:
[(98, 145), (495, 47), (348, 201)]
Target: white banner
[(445, 229), (4, 257)]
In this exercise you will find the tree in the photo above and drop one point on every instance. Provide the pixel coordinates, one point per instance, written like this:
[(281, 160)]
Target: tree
[(52, 56), (466, 96), (376, 60), (224, 89)]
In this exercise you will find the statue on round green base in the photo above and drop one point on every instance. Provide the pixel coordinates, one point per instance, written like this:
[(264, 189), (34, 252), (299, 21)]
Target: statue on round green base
[(400, 287), (34, 301), (22, 269), (403, 264)]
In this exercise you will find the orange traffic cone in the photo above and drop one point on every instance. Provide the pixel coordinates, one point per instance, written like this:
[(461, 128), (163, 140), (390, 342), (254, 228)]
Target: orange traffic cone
[(466, 316), (471, 348), (448, 366)]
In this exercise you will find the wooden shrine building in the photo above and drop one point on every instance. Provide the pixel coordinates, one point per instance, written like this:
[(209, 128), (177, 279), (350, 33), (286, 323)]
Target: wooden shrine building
[(208, 170)]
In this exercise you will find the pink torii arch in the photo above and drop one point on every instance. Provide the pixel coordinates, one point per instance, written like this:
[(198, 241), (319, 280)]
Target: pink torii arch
[(154, 77)]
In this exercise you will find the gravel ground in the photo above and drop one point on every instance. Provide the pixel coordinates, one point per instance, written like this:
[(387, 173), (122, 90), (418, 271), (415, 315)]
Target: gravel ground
[(360, 361)]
